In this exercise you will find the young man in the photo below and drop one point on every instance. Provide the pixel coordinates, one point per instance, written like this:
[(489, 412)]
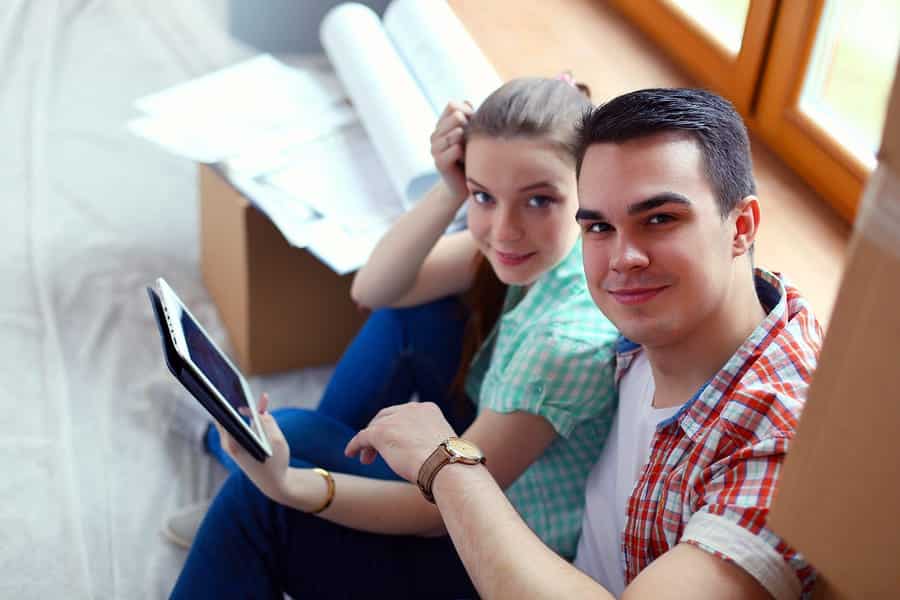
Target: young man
[(713, 370)]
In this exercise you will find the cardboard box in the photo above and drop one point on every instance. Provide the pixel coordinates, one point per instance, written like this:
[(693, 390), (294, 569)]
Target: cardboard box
[(890, 140), (281, 307), (839, 494)]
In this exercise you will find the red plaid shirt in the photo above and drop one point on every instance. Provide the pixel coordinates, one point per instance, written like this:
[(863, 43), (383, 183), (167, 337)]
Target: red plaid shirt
[(713, 467)]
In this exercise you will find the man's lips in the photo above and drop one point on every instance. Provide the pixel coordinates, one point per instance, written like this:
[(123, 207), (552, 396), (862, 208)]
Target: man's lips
[(513, 258), (631, 296)]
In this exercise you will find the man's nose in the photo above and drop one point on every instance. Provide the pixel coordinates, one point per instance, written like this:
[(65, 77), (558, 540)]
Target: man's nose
[(627, 256)]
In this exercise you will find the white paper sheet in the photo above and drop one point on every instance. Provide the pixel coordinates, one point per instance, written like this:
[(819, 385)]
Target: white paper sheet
[(261, 91), (342, 177), (197, 140), (256, 104), (296, 220), (343, 251), (388, 100), (278, 148), (250, 171), (400, 76), (439, 52)]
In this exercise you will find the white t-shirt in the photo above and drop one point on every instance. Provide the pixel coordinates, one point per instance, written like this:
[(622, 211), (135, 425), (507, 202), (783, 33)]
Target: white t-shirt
[(613, 477)]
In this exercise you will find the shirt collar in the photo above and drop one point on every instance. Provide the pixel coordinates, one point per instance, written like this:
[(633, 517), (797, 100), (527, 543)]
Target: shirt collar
[(706, 402)]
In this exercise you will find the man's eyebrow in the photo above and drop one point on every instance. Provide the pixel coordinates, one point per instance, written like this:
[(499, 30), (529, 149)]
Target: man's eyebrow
[(584, 214), (656, 201)]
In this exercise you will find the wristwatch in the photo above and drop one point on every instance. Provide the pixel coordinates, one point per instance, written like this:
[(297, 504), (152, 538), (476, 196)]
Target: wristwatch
[(451, 450)]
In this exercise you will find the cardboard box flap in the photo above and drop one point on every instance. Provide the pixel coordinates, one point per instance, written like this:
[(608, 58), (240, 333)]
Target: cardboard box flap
[(889, 153), (838, 495), (840, 488), (282, 308)]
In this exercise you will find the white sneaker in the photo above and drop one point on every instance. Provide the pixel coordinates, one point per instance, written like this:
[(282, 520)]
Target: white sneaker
[(180, 527)]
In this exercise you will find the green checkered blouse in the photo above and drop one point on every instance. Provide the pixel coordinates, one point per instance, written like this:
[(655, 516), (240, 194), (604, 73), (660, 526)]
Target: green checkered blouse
[(552, 354)]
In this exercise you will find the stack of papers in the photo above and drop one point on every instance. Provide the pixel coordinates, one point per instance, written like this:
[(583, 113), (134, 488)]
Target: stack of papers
[(289, 140)]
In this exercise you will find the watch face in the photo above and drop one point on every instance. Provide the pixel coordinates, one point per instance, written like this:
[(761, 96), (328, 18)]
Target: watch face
[(464, 449)]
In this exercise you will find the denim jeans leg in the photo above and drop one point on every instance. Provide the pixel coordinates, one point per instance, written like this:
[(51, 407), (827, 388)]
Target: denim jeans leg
[(314, 438), (251, 547), (398, 352)]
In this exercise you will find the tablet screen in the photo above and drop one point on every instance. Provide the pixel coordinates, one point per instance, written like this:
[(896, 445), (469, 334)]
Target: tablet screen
[(213, 366)]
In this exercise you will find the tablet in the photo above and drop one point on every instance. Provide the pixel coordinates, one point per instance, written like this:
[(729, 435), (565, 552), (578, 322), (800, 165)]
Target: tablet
[(206, 372)]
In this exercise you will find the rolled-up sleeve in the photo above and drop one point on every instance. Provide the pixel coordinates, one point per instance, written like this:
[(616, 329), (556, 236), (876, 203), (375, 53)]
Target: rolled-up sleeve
[(730, 521)]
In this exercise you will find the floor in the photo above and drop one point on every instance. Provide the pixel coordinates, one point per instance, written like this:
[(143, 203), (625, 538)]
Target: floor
[(90, 458)]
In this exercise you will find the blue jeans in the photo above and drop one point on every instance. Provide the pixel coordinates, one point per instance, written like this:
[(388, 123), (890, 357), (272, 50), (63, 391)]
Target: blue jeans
[(251, 547)]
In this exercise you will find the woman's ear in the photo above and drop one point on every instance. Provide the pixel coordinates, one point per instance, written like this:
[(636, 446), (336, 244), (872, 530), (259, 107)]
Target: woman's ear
[(746, 225)]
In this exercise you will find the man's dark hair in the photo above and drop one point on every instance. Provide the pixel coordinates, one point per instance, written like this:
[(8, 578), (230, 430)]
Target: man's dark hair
[(706, 117)]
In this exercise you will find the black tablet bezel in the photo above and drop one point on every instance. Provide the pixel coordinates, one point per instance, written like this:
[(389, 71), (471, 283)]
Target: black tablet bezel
[(167, 307)]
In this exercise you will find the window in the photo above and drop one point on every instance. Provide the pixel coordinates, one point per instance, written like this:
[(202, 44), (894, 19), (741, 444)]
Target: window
[(811, 77), (848, 81), (721, 43), (723, 20)]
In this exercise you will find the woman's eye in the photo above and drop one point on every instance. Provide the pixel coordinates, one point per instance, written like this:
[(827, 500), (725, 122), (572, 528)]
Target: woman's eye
[(481, 197), (540, 201), (660, 219)]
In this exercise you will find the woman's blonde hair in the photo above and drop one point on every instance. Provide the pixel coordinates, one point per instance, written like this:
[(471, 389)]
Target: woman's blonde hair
[(529, 107), (533, 107)]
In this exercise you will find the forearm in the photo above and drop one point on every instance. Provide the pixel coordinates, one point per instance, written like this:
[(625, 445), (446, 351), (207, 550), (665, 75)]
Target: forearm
[(504, 558), (374, 505), (395, 262)]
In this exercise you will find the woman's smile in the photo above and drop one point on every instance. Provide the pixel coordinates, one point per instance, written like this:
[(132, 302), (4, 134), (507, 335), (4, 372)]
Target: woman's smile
[(512, 259)]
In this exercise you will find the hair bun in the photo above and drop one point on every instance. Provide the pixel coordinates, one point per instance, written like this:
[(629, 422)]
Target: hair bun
[(584, 89), (567, 77)]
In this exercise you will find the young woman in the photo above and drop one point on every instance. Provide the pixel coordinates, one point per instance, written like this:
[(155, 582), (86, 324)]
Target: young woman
[(525, 369)]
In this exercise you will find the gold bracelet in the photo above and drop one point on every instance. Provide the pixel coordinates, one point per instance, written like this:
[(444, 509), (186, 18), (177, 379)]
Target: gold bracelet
[(329, 481)]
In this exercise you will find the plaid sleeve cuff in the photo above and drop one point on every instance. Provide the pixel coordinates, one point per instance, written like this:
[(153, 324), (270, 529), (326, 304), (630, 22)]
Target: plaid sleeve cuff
[(722, 537)]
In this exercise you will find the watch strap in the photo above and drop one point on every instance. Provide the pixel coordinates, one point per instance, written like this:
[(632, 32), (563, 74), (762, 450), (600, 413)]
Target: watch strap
[(429, 469), (441, 457)]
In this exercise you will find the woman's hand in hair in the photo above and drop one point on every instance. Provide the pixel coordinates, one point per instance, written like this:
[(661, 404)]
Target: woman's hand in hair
[(448, 146)]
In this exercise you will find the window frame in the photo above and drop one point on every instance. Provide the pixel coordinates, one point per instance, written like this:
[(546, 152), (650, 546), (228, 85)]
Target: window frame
[(701, 54), (833, 170), (765, 82)]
